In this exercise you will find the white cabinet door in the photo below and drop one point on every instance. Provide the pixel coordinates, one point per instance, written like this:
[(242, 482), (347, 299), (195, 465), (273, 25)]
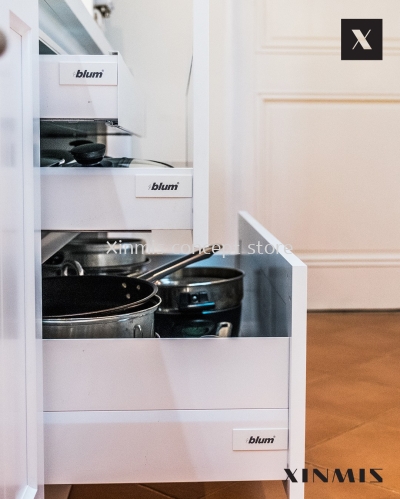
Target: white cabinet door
[(19, 407)]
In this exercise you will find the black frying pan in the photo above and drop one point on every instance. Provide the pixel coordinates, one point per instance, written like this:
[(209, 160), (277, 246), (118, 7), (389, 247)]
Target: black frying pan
[(81, 296)]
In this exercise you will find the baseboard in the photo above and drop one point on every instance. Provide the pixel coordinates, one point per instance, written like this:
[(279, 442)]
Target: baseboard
[(346, 281)]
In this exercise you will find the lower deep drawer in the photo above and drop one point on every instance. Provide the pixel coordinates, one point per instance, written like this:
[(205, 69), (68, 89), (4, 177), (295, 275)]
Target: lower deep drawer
[(165, 374), (161, 446)]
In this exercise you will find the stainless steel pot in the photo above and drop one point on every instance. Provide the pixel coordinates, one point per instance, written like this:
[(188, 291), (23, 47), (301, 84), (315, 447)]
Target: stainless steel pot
[(197, 300), (99, 256), (134, 324), (196, 289), (95, 253)]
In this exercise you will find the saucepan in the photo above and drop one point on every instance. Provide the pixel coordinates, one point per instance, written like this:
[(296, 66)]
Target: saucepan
[(199, 302), (91, 255)]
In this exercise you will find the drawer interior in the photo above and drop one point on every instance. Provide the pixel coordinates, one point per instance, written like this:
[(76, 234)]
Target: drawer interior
[(250, 371)]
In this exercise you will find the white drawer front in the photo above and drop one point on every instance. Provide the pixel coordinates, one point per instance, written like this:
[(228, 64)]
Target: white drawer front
[(158, 446), (153, 374)]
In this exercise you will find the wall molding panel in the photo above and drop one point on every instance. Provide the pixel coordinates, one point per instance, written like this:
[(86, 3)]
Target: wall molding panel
[(327, 97), (345, 260), (315, 143), (323, 190), (313, 26)]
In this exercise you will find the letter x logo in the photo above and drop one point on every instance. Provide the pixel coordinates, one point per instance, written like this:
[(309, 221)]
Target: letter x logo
[(362, 39)]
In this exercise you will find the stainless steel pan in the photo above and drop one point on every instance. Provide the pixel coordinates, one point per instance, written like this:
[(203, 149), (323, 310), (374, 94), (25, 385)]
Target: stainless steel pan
[(138, 323)]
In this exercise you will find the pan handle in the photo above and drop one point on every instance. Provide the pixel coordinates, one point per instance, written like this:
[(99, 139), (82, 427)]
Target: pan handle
[(74, 265), (179, 263)]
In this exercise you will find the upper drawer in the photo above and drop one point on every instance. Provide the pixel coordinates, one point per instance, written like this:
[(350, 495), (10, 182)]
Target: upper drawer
[(115, 199), (90, 87)]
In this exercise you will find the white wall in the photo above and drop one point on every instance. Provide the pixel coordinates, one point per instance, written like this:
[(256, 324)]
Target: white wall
[(155, 39), (305, 142), (321, 139), (327, 148)]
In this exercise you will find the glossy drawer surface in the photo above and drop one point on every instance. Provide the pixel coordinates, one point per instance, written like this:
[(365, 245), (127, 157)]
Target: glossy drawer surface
[(151, 374), (157, 446)]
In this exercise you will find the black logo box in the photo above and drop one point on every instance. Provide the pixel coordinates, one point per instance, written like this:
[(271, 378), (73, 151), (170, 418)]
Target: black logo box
[(372, 31)]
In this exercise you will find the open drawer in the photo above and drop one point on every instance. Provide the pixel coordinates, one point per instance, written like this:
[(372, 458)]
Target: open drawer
[(153, 410)]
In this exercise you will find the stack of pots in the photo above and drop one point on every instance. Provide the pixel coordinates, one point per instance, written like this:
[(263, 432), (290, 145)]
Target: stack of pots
[(84, 305), (98, 307), (91, 255), (180, 302)]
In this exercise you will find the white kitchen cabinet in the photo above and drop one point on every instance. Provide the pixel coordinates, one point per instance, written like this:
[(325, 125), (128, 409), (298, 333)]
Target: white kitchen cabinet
[(121, 199), (149, 410), (163, 410), (21, 456)]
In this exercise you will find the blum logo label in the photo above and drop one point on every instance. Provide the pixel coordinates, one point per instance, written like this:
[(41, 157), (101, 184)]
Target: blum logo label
[(163, 187), (260, 440), (172, 185), (88, 74)]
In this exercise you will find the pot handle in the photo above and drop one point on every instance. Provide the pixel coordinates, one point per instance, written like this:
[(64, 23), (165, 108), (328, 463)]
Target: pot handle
[(179, 263), (72, 264), (195, 302), (137, 331), (224, 330)]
